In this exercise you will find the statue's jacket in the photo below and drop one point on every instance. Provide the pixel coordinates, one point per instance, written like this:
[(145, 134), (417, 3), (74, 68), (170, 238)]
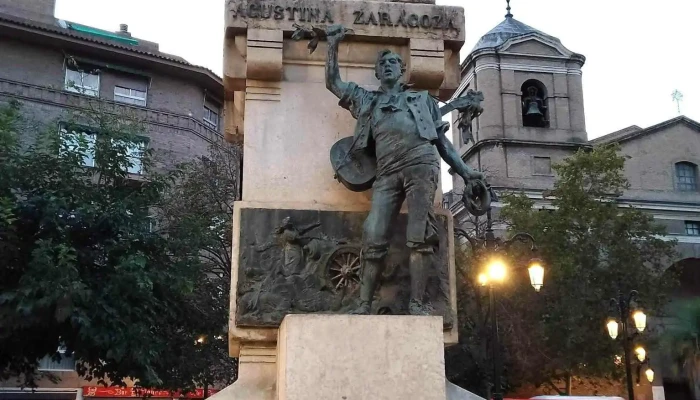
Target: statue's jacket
[(361, 102)]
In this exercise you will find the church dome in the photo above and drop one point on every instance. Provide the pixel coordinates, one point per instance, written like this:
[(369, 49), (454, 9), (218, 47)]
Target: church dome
[(504, 31)]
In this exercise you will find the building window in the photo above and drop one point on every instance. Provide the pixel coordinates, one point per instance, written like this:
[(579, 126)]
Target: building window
[(692, 228), (211, 117), (542, 166), (134, 155), (83, 82), (534, 104), (83, 141), (49, 363), (687, 176), (73, 140), (129, 96)]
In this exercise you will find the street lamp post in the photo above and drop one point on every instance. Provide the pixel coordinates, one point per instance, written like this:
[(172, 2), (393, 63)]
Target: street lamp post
[(623, 306), (495, 348), (203, 341), (495, 273)]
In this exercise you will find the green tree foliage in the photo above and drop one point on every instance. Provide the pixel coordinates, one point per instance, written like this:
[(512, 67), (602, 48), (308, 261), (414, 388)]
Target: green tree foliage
[(198, 207), (82, 267), (196, 213), (593, 249)]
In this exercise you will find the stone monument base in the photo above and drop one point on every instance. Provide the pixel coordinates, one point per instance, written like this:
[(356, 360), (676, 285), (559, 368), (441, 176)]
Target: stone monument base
[(360, 358), (345, 357)]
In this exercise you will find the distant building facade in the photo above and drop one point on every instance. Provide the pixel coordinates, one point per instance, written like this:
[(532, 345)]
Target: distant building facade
[(54, 67), (534, 117)]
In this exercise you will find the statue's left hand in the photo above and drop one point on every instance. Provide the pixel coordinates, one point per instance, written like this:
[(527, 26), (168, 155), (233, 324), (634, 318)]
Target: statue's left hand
[(473, 175), (477, 195)]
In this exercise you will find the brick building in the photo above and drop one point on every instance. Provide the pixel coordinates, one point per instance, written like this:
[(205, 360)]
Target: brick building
[(516, 140), (53, 67)]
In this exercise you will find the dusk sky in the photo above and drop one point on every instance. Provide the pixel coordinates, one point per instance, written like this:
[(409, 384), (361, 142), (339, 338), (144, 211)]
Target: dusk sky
[(637, 53)]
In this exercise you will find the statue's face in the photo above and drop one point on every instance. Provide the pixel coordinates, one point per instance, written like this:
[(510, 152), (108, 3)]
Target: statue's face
[(389, 69)]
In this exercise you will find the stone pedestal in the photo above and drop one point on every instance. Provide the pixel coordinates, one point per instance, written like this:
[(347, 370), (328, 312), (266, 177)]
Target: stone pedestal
[(360, 358), (257, 374), (347, 357)]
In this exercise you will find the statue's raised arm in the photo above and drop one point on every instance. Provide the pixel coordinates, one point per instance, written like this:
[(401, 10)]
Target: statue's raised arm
[(334, 33)]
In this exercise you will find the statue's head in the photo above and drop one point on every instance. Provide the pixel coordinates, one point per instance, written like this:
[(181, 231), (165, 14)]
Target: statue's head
[(389, 67)]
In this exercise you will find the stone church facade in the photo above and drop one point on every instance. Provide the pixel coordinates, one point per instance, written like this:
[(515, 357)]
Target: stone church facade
[(534, 117)]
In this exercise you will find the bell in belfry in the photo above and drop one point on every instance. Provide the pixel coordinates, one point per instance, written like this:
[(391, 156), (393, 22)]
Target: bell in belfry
[(534, 109)]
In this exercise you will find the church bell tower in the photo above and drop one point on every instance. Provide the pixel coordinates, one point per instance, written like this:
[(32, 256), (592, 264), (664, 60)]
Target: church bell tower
[(533, 106)]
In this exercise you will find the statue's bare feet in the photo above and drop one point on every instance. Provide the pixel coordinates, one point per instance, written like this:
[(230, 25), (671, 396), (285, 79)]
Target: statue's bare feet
[(363, 309)]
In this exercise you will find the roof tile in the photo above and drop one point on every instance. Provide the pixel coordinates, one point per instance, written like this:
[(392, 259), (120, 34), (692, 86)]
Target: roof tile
[(70, 33)]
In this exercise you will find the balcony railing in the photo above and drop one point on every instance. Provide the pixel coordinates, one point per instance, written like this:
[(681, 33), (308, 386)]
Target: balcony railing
[(64, 99)]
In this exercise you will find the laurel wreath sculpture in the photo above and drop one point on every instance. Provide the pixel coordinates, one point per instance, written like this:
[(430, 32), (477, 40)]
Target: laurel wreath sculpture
[(314, 33)]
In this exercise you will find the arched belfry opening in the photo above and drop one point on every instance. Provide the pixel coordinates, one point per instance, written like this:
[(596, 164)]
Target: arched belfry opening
[(534, 104)]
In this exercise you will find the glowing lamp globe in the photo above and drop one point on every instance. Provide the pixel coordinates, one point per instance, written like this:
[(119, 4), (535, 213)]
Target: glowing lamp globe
[(536, 271), (650, 375), (640, 320), (496, 270), (612, 328)]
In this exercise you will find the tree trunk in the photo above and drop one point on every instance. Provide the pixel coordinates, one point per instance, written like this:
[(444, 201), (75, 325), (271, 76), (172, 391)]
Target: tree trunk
[(567, 391), (555, 387)]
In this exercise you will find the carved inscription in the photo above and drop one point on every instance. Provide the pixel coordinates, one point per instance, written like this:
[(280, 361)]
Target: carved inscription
[(403, 19), (272, 11), (269, 10)]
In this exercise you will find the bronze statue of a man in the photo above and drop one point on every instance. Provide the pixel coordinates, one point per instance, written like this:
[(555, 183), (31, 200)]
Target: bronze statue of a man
[(408, 134)]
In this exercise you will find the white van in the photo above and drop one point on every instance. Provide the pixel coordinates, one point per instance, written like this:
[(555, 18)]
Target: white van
[(576, 398)]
